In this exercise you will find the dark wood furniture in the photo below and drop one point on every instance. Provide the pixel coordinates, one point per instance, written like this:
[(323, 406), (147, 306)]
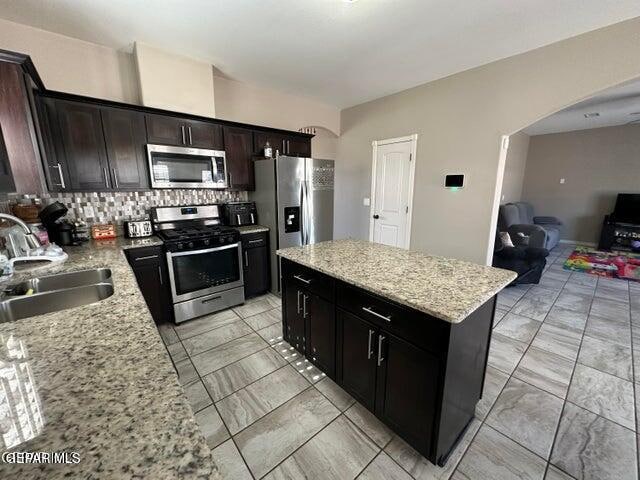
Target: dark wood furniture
[(150, 269), (255, 255), (20, 169), (239, 154), (169, 130), (420, 375), (618, 236), (92, 144), (85, 143)]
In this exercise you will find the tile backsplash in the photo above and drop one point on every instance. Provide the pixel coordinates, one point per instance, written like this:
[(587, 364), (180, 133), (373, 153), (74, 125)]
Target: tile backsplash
[(116, 207)]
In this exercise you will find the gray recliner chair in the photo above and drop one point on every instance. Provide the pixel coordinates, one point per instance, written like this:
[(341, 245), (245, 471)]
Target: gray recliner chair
[(517, 218)]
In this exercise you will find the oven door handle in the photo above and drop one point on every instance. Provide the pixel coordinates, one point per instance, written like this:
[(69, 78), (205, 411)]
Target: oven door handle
[(207, 250)]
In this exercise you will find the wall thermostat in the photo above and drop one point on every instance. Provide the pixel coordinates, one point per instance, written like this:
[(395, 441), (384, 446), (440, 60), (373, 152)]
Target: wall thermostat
[(454, 181)]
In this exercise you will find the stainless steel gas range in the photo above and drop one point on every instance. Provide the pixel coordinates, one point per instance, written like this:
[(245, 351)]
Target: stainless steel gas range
[(204, 259)]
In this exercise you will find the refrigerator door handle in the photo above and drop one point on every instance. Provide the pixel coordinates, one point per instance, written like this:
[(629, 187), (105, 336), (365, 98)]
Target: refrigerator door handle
[(305, 213), (302, 206)]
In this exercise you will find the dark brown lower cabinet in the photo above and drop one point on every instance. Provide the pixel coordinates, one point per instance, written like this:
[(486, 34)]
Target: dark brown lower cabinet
[(406, 388), (149, 267), (358, 360), (420, 375), (320, 332)]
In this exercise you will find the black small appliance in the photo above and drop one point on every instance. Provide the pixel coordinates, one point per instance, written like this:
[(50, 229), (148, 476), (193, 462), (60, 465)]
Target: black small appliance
[(237, 214), (61, 231)]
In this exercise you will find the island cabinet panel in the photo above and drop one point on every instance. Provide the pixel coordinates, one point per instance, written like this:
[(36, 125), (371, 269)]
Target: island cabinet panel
[(421, 375), (407, 387), (294, 325), (320, 332), (357, 358)]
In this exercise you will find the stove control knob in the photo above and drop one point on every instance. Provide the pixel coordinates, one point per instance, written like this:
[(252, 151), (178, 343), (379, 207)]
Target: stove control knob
[(190, 244), (207, 241), (180, 246)]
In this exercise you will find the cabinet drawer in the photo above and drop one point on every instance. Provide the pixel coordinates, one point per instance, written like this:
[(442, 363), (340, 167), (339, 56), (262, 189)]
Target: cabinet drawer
[(311, 280), (252, 240), (145, 255), (416, 327)]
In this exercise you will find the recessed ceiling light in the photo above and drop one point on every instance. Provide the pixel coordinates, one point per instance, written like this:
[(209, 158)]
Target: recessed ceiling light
[(591, 115), (349, 1)]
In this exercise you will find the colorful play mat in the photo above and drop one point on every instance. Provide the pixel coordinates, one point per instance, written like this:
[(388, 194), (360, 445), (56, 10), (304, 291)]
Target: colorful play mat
[(605, 264)]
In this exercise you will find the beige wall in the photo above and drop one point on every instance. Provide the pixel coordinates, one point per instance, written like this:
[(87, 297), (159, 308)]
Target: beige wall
[(514, 168), (246, 103), (70, 65), (596, 165), (460, 120), (174, 82)]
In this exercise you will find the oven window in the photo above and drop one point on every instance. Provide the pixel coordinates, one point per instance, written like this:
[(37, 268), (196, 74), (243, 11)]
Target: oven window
[(169, 167), (198, 271)]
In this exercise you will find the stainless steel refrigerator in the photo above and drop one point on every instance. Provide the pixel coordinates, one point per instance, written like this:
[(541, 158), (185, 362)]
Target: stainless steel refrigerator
[(294, 198)]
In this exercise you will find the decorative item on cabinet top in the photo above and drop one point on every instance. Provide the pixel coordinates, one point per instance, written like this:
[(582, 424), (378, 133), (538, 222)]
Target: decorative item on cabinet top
[(117, 207)]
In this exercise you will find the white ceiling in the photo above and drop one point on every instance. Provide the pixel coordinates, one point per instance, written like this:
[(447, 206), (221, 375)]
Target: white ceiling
[(616, 106), (342, 53)]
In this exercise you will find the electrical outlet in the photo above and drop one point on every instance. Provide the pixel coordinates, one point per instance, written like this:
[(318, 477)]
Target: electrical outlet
[(366, 201), (562, 181)]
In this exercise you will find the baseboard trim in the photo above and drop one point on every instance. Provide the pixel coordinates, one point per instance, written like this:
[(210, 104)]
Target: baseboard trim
[(577, 242)]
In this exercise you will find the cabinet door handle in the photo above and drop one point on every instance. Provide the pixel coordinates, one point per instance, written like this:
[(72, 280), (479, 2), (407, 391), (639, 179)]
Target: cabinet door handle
[(376, 314), (238, 219), (304, 305), (288, 148), (184, 138), (298, 308), (255, 241), (303, 280), (230, 182), (115, 177), (59, 168), (369, 349), (190, 138), (160, 274), (106, 178), (147, 257), (253, 219), (284, 150), (381, 339), (246, 259)]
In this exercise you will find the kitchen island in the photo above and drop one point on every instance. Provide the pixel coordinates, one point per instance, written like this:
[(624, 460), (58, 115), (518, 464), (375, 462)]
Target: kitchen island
[(406, 334), (97, 380)]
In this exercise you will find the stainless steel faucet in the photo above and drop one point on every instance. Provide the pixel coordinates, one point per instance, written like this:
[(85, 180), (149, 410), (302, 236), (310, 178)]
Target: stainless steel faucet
[(32, 240)]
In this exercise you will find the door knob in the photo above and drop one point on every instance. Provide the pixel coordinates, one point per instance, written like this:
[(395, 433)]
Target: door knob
[(376, 217)]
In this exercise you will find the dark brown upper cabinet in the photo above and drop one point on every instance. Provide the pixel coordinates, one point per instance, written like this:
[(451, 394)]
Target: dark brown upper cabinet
[(125, 136), (285, 144), (6, 178), (82, 146), (239, 154), (166, 130), (260, 139), (297, 146)]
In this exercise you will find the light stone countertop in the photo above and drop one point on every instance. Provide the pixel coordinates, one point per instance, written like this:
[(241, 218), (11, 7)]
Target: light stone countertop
[(246, 229), (104, 385), (446, 288)]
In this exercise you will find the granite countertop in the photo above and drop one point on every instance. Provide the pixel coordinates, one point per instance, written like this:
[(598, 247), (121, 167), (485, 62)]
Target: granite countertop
[(252, 229), (99, 382), (446, 288)]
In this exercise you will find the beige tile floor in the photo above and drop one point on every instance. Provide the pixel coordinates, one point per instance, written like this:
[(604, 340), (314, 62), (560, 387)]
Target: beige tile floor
[(561, 393)]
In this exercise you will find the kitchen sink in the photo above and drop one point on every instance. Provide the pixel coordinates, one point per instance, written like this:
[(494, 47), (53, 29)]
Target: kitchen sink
[(15, 308), (52, 293), (60, 281)]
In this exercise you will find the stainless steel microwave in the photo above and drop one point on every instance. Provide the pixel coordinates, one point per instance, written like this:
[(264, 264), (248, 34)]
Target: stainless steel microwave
[(182, 167)]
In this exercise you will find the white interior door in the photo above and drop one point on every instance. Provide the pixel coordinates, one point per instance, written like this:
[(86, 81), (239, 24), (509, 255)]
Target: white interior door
[(392, 192)]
